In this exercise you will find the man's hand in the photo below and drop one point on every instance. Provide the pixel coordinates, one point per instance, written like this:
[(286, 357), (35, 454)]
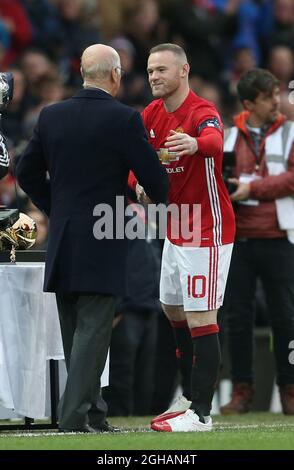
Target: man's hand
[(182, 144), (242, 192), (141, 195)]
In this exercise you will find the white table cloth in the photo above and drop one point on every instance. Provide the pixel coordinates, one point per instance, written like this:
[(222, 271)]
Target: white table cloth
[(29, 335)]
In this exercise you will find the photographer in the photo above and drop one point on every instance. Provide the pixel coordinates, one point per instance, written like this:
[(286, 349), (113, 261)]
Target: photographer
[(6, 91), (262, 141)]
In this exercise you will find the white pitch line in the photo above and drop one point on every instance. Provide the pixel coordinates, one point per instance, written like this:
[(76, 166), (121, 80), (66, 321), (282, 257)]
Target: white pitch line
[(61, 434), (217, 427)]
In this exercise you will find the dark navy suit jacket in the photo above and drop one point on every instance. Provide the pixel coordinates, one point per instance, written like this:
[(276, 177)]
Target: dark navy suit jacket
[(87, 145)]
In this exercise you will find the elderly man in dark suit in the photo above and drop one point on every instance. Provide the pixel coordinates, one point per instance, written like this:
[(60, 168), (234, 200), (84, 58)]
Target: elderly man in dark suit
[(80, 156)]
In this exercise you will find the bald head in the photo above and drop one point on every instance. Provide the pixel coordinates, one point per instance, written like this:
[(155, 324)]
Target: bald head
[(97, 64)]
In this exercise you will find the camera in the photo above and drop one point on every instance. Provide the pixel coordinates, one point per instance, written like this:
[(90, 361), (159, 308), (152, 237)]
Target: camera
[(229, 163), (6, 89)]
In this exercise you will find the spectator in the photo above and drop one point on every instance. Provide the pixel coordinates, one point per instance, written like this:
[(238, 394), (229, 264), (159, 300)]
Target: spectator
[(36, 65), (282, 29), (263, 143), (46, 27), (134, 89), (14, 16), (78, 33), (204, 30), (281, 64)]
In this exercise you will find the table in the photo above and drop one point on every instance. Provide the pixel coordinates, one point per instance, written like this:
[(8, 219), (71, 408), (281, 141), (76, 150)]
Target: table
[(29, 336)]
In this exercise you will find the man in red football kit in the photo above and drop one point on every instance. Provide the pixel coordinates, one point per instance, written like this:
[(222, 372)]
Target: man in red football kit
[(187, 132)]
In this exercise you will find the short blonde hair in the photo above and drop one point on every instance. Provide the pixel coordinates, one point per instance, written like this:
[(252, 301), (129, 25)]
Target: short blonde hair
[(174, 48)]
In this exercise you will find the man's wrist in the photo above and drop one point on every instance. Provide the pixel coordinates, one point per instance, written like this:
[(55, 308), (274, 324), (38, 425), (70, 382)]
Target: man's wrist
[(196, 145)]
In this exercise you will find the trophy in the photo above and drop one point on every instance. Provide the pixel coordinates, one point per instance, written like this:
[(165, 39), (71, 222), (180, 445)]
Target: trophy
[(19, 236)]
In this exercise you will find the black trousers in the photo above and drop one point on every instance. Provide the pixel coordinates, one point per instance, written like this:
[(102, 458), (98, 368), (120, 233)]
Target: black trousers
[(272, 261), (132, 354), (86, 325)]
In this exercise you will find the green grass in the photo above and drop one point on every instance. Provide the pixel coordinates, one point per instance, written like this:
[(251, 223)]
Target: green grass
[(262, 431)]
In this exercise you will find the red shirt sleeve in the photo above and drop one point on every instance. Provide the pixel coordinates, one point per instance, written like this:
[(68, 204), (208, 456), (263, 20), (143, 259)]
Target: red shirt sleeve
[(132, 181), (210, 142)]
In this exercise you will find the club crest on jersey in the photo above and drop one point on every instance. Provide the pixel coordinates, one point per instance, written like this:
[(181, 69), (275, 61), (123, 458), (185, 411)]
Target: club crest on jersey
[(180, 130), (152, 135)]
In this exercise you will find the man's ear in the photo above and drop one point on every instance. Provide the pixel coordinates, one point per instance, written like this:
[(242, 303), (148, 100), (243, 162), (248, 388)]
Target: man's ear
[(185, 70), (248, 105), (81, 70), (114, 75)]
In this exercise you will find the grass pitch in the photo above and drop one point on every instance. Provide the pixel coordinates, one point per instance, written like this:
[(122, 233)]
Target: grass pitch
[(253, 431)]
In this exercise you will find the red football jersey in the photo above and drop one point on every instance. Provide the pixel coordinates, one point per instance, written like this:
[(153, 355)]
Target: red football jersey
[(195, 179)]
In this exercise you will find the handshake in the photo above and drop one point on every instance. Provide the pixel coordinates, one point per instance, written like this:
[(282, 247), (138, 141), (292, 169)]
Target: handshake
[(141, 195)]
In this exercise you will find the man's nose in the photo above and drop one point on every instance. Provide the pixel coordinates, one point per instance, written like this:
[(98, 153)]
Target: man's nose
[(154, 76), (276, 99)]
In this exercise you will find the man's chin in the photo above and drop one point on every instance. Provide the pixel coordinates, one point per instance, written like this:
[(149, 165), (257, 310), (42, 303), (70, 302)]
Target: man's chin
[(274, 116), (157, 93)]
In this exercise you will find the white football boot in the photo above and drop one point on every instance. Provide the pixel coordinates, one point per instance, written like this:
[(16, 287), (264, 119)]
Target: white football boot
[(185, 422), (179, 406)]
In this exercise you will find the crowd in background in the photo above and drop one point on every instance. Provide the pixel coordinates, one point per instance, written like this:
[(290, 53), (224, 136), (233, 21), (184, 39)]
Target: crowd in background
[(41, 42)]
